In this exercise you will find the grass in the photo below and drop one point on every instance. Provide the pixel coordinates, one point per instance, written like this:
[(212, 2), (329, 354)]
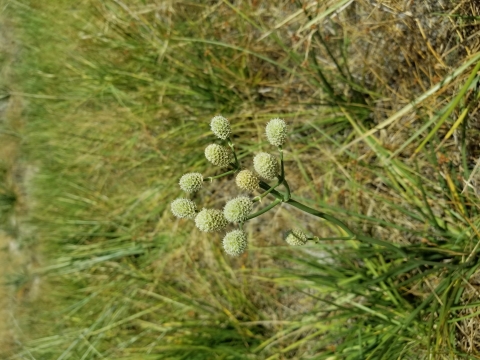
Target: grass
[(116, 98)]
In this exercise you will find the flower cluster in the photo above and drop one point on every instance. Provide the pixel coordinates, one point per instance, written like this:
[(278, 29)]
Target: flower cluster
[(184, 208), (296, 237), (266, 165), (218, 155), (191, 182), (276, 131), (209, 220), (235, 242), (220, 127), (247, 180), (239, 209)]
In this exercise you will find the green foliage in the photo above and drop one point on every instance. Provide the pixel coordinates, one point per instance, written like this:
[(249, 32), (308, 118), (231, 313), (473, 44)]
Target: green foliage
[(118, 97)]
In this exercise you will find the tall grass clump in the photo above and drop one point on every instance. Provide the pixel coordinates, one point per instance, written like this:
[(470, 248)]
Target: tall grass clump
[(118, 100)]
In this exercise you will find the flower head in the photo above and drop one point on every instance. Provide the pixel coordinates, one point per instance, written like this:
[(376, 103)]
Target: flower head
[(247, 180), (220, 127), (276, 130), (266, 165), (235, 242), (209, 220), (238, 209), (191, 182), (183, 208), (218, 155), (296, 237)]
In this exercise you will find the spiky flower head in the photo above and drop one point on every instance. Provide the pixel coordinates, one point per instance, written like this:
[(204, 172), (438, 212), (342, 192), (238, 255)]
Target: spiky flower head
[(220, 127), (183, 208), (238, 209), (276, 130), (296, 237), (191, 182), (218, 155), (235, 242), (209, 220), (247, 180), (266, 165)]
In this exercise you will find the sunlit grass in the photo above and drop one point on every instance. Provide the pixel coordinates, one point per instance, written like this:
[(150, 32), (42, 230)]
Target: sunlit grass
[(118, 96)]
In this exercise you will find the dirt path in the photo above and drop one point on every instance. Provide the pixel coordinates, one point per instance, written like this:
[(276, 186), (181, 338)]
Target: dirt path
[(17, 288)]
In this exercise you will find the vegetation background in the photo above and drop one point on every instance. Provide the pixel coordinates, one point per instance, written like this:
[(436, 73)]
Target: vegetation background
[(106, 103)]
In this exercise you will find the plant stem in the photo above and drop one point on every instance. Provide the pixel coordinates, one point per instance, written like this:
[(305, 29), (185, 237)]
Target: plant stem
[(332, 219), (318, 239), (232, 146), (261, 196), (210, 178), (282, 168), (264, 210), (322, 215), (287, 196), (307, 209)]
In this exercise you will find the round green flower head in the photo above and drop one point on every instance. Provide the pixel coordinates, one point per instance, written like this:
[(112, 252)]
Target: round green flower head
[(247, 180), (238, 209), (266, 165), (183, 208), (296, 237), (191, 182), (209, 220), (220, 127), (235, 242), (276, 130), (218, 155)]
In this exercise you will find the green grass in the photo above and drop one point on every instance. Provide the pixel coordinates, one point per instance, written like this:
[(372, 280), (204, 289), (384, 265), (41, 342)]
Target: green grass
[(117, 99)]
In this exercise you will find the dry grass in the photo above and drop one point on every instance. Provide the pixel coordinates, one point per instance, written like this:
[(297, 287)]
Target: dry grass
[(19, 255), (120, 85)]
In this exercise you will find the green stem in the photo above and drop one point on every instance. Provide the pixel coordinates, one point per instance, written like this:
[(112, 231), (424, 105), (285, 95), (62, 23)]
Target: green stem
[(275, 193), (280, 198), (281, 179), (261, 196), (322, 215), (287, 196), (210, 178), (264, 210), (232, 146), (282, 168), (318, 239), (307, 209)]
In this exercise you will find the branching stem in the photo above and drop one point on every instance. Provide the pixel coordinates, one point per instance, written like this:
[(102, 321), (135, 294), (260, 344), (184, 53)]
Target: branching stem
[(261, 196), (308, 209), (264, 210), (232, 146), (211, 178)]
